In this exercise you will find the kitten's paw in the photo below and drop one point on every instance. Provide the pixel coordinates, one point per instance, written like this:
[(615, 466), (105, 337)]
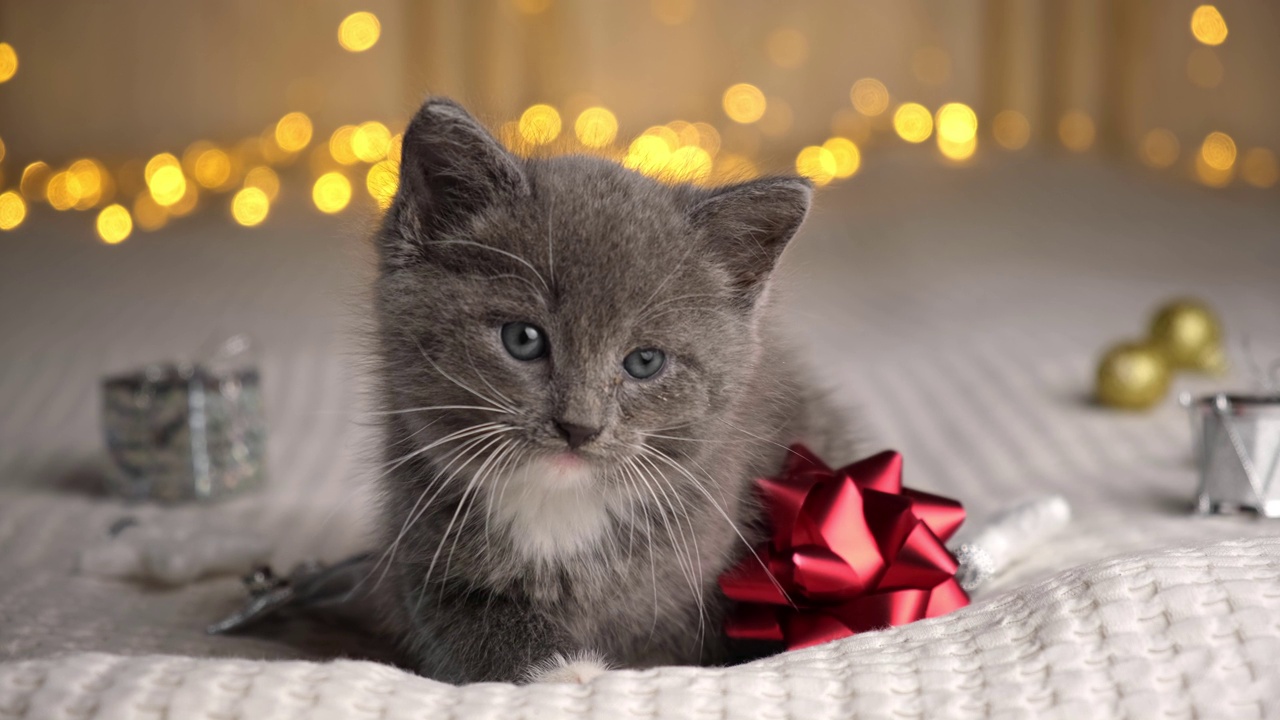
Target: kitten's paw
[(578, 668)]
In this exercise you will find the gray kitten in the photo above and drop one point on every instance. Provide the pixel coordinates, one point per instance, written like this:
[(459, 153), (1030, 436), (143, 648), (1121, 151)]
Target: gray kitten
[(581, 381)]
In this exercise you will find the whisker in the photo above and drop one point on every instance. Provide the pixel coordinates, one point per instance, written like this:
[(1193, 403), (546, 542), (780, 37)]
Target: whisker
[(427, 408), (500, 453), (471, 361), (724, 514), (428, 447), (457, 382), (682, 439), (414, 513), (513, 256), (695, 563), (426, 580), (757, 437), (653, 566), (681, 548)]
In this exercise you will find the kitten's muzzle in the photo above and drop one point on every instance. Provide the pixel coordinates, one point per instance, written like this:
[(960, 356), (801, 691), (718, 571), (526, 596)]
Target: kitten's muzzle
[(576, 435)]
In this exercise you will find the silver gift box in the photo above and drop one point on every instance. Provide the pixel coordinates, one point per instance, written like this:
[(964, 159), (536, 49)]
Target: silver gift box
[(180, 432), (1237, 447)]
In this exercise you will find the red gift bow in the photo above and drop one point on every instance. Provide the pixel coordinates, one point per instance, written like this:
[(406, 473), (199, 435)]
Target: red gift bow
[(852, 551)]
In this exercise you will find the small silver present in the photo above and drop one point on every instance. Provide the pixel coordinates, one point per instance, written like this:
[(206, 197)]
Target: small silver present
[(1237, 446), (186, 431)]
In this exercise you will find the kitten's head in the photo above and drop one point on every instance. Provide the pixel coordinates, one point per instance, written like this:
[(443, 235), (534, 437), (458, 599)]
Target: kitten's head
[(567, 312)]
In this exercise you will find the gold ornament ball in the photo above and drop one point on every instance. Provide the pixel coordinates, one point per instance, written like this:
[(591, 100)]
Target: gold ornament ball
[(1132, 376), (1189, 335)]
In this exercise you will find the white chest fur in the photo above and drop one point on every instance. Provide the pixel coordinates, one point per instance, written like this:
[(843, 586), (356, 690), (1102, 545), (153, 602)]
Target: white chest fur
[(552, 510)]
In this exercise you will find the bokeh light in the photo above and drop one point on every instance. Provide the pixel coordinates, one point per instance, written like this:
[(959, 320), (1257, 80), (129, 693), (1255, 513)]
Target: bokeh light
[(668, 135), (370, 141), (212, 168), (1208, 26), (148, 215), (596, 127), (250, 206), (13, 210), (671, 12), (688, 164), (1218, 151), (293, 132), (340, 145), (1011, 129), (957, 152), (539, 125), (394, 146), (359, 31), (648, 154), (957, 123), (35, 177), (708, 137), (847, 156), (869, 97), (913, 122), (331, 193), (8, 62), (816, 163), (85, 182), (744, 103), (62, 191), (685, 133), (167, 185), (1258, 167), (187, 203), (382, 181), (264, 179), (160, 161), (1159, 148), (2, 150), (1211, 176), (787, 47), (114, 224), (1076, 131), (1204, 69), (271, 150)]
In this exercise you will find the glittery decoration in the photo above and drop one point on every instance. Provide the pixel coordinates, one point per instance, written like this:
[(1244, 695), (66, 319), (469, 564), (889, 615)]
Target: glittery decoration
[(180, 432)]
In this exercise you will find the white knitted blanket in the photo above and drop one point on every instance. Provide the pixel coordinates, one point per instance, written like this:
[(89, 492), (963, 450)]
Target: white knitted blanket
[(960, 311)]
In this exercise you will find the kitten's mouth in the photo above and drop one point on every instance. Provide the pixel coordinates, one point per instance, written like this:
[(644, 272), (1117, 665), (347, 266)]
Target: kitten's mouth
[(567, 461), (566, 469)]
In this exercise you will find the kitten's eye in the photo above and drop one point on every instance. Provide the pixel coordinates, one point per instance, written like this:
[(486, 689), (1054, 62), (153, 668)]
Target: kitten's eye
[(644, 363), (524, 341)]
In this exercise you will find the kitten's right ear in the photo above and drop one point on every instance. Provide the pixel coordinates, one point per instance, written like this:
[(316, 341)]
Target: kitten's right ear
[(450, 168)]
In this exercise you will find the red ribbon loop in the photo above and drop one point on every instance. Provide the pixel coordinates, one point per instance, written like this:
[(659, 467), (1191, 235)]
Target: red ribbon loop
[(851, 550)]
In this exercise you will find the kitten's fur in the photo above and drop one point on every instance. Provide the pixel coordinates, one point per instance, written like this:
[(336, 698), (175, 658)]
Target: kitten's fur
[(504, 553)]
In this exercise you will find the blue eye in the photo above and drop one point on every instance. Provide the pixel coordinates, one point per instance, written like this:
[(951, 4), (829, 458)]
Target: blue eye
[(524, 341), (644, 363)]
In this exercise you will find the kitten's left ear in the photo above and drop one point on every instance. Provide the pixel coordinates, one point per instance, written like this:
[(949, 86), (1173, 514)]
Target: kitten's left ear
[(747, 226)]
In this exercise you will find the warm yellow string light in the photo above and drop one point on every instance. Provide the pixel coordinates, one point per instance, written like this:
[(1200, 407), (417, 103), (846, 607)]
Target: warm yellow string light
[(679, 151)]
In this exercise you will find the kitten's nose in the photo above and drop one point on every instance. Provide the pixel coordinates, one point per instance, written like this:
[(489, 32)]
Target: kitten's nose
[(576, 435)]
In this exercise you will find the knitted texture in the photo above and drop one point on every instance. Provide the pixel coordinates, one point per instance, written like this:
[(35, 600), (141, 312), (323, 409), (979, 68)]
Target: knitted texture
[(1183, 633), (960, 312)]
